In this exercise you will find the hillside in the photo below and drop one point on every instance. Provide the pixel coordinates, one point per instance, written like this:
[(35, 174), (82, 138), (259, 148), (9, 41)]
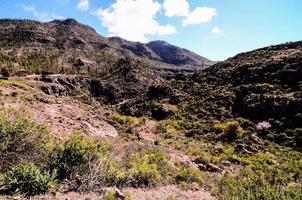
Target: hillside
[(84, 116)]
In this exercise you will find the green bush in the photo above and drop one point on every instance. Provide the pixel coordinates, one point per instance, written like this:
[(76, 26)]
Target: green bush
[(142, 170), (231, 130), (23, 141), (149, 170), (189, 176), (28, 180), (77, 153)]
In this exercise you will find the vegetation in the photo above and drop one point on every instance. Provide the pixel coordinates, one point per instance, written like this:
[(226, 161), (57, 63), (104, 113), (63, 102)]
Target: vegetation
[(86, 163), (23, 141), (189, 178), (254, 186), (28, 180)]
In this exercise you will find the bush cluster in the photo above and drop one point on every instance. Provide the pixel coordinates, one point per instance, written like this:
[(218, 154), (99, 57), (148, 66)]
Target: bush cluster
[(27, 179), (21, 140)]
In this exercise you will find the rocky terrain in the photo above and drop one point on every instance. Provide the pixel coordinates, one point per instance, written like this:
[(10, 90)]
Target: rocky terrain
[(88, 117)]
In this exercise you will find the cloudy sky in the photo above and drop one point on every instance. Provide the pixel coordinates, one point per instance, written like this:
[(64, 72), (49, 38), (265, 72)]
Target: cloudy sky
[(216, 29)]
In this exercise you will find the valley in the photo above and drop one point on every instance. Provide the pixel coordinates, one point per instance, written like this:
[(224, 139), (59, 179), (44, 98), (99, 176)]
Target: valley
[(83, 116)]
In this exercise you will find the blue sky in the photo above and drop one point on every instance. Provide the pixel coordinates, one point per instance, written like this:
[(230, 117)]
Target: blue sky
[(216, 29)]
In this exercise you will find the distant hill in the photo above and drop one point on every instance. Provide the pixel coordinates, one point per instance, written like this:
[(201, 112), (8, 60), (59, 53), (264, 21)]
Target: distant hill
[(164, 52)]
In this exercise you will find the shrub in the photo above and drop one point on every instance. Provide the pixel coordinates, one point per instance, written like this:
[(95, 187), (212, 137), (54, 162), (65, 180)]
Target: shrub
[(144, 174), (146, 170), (263, 126), (171, 197), (202, 159), (28, 180), (21, 140), (149, 170), (77, 154), (231, 130), (188, 175)]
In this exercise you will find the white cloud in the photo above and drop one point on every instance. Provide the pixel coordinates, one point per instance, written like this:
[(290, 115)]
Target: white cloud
[(41, 16), (217, 30), (176, 8), (133, 19), (83, 5), (199, 15)]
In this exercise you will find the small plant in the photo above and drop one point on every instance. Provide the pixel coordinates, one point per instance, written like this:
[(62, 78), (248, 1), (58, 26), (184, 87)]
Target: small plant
[(28, 180)]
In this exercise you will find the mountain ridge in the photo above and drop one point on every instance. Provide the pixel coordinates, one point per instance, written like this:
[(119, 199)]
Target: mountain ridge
[(81, 41)]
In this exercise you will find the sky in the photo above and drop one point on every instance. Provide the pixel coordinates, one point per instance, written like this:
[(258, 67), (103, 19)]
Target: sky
[(215, 29)]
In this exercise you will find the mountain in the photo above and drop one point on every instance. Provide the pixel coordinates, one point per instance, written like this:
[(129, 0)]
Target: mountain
[(165, 52), (69, 46)]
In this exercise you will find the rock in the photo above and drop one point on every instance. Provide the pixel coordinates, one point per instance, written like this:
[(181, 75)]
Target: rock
[(218, 149), (246, 149), (116, 192), (226, 163), (256, 139), (192, 133), (202, 167), (251, 149), (213, 168), (119, 195)]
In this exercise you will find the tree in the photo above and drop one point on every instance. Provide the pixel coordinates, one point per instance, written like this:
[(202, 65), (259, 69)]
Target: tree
[(5, 73)]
